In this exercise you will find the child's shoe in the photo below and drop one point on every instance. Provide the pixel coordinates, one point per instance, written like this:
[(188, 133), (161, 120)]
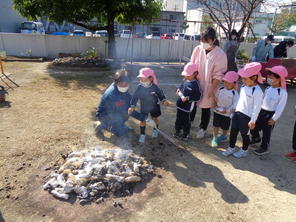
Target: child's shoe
[(228, 152), (221, 138), (176, 135), (214, 142), (241, 153), (260, 151), (154, 133), (142, 138), (291, 155), (185, 137), (150, 123), (200, 134), (255, 140)]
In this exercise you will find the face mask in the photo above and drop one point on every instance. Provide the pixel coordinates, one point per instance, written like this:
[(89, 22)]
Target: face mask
[(122, 89), (270, 81), (233, 37), (145, 84), (205, 46)]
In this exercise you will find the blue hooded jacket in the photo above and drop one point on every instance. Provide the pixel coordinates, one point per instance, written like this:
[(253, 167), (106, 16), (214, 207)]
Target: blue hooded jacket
[(114, 105)]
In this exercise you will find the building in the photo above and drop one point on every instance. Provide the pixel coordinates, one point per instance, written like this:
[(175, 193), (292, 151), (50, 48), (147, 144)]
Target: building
[(288, 7), (196, 11), (10, 20), (172, 20)]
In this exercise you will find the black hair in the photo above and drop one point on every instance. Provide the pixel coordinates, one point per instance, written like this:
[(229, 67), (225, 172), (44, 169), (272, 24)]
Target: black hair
[(233, 32), (256, 80), (270, 37), (210, 34), (290, 42), (274, 74)]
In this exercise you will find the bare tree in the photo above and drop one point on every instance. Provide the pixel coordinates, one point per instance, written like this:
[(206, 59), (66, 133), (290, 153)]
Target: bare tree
[(226, 13)]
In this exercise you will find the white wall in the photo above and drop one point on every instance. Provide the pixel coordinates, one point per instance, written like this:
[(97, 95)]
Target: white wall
[(138, 49)]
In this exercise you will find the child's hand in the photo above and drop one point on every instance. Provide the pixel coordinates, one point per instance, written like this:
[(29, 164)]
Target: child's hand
[(251, 125), (130, 110), (271, 122), (166, 103), (184, 99), (223, 112)]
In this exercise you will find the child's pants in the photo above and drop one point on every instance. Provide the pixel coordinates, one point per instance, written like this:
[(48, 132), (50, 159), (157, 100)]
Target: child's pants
[(294, 138), (239, 124), (183, 122), (262, 124), (193, 113)]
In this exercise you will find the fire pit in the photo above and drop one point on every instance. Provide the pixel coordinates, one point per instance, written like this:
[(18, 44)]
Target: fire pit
[(98, 173)]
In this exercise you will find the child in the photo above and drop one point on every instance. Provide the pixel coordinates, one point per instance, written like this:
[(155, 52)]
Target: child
[(149, 95), (227, 98), (189, 93), (274, 102), (247, 109), (293, 154)]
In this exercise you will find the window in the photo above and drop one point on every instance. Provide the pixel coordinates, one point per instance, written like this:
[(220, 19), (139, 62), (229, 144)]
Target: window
[(155, 29), (173, 17)]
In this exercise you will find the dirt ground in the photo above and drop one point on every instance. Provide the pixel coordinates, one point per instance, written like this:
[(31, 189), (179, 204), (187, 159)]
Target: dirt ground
[(52, 114)]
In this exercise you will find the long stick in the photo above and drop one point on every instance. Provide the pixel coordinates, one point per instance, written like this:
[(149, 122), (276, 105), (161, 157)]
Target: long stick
[(169, 138)]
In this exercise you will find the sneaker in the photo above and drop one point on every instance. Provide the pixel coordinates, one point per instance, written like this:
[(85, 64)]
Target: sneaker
[(291, 155), (221, 138), (228, 152), (214, 142), (150, 123), (185, 137), (200, 134), (142, 138), (154, 133), (241, 153), (176, 135), (254, 141), (260, 151)]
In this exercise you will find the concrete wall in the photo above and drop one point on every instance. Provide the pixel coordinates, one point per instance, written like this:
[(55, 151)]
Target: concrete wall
[(137, 49)]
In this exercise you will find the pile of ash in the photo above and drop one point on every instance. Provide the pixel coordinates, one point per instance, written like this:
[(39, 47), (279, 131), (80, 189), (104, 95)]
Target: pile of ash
[(98, 173), (79, 62)]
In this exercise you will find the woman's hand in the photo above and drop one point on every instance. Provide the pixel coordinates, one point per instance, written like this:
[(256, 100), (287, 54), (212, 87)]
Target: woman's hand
[(251, 125), (271, 122), (130, 110)]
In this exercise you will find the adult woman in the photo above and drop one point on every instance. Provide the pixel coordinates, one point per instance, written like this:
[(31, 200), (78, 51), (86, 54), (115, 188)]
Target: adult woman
[(212, 63), (230, 48)]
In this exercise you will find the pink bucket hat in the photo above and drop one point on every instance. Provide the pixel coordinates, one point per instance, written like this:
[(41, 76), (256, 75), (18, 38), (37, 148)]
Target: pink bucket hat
[(231, 77), (189, 69), (251, 69), (282, 72), (146, 73)]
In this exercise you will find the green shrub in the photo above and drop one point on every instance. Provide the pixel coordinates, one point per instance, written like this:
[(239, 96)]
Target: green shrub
[(91, 53), (242, 55)]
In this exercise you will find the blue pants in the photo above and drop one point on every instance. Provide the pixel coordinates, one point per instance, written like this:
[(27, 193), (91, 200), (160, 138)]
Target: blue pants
[(115, 123)]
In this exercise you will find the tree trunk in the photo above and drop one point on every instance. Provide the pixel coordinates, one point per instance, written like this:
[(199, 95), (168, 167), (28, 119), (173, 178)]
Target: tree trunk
[(111, 37)]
